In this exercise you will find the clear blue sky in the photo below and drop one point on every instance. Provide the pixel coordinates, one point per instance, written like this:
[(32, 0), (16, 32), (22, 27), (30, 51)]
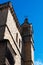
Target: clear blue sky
[(33, 9)]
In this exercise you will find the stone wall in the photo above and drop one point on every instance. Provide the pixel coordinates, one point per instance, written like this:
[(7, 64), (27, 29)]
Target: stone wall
[(8, 30), (10, 34)]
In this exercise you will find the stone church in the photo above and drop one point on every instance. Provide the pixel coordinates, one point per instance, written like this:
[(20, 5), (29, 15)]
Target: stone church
[(16, 41)]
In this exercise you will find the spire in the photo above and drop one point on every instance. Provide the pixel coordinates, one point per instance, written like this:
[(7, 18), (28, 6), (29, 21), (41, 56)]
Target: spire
[(26, 21)]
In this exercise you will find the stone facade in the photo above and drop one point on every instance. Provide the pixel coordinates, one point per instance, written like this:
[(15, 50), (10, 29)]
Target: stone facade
[(16, 40)]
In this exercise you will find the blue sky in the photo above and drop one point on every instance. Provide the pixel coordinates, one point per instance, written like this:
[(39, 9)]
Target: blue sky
[(33, 9)]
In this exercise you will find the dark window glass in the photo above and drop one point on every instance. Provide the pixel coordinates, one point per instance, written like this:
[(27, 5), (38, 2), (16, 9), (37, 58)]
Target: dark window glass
[(16, 37), (19, 42)]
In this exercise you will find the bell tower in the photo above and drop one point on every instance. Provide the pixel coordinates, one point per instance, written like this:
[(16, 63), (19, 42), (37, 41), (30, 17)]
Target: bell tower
[(27, 46)]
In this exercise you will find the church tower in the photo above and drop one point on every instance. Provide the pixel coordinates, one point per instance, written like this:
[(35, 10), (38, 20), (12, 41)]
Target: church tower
[(27, 46)]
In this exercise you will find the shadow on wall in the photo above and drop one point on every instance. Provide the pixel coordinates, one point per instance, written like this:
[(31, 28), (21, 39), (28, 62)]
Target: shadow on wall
[(10, 57), (8, 53), (3, 20)]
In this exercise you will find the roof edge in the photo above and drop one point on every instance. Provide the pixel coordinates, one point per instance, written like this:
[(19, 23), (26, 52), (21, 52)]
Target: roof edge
[(10, 6), (6, 4)]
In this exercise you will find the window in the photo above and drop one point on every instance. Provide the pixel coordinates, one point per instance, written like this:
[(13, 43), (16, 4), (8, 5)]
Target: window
[(17, 37), (19, 42)]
